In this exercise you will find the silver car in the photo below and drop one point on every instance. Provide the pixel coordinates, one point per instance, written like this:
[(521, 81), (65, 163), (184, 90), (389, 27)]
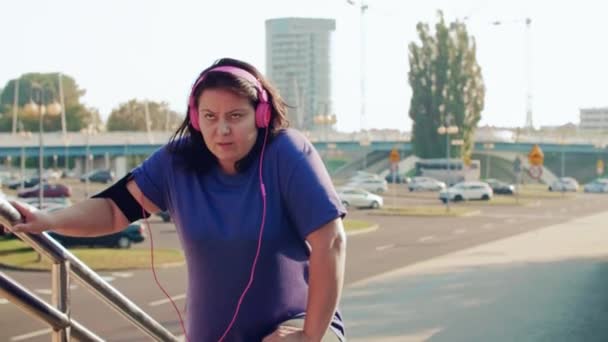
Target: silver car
[(425, 184), (359, 198), (598, 185)]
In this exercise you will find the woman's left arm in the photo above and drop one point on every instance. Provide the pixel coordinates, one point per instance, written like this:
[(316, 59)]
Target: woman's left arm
[(326, 277)]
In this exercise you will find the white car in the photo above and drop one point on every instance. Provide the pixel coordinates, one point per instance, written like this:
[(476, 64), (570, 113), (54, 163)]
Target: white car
[(359, 198), (376, 185), (564, 184), (598, 185), (425, 184), (468, 190)]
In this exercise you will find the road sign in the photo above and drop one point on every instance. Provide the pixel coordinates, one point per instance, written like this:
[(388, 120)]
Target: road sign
[(535, 171), (600, 167), (536, 156), (394, 156)]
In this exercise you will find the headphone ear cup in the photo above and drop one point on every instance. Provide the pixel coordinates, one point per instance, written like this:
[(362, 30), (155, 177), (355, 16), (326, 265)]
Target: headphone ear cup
[(193, 113), (262, 115)]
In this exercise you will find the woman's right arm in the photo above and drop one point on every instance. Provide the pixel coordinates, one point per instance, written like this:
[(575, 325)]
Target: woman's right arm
[(91, 217)]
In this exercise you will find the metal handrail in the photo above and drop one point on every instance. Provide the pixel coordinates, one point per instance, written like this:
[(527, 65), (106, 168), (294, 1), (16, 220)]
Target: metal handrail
[(47, 246)]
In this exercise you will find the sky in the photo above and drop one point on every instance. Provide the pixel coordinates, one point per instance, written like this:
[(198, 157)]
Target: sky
[(150, 49)]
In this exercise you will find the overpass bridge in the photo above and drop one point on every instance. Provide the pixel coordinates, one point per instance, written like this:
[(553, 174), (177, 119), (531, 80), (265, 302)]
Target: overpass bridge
[(109, 146)]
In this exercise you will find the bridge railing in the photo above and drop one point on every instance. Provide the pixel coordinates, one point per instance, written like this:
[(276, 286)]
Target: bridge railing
[(65, 263)]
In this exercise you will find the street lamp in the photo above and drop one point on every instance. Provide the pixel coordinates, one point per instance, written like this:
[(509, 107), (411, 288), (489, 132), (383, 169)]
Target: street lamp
[(88, 132), (39, 105), (447, 130), (23, 135)]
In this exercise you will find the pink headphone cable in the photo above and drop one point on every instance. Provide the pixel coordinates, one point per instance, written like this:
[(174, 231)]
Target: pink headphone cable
[(179, 315), (257, 253)]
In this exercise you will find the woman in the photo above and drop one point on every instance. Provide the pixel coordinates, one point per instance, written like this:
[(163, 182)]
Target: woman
[(258, 217)]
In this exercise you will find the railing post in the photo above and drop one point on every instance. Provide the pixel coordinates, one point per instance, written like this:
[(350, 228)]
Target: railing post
[(60, 298)]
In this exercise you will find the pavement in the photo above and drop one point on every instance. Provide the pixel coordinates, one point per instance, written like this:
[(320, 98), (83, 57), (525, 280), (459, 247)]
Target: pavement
[(550, 284)]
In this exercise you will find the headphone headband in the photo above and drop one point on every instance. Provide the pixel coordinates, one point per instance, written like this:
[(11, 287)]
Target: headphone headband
[(262, 111)]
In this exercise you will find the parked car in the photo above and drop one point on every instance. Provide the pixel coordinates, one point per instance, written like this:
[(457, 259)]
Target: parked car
[(399, 178), (359, 198), (500, 187), (49, 190), (467, 190), (425, 184), (27, 183), (134, 233), (376, 185), (598, 185), (99, 176), (164, 215), (564, 184)]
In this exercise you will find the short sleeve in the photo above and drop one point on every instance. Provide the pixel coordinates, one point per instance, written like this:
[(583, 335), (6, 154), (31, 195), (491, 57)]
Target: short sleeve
[(309, 193), (151, 177)]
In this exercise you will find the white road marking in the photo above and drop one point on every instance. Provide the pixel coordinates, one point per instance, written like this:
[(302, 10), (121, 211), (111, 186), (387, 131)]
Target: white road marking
[(426, 238), (166, 300), (44, 291), (122, 274), (488, 226), (459, 231), (511, 221), (31, 335), (4, 301), (108, 278), (381, 248)]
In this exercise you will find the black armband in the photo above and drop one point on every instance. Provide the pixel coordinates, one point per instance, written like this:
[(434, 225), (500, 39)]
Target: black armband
[(120, 195)]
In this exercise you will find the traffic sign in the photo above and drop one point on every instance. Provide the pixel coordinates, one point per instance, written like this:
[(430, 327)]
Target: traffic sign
[(536, 156), (535, 171), (394, 156), (600, 167)]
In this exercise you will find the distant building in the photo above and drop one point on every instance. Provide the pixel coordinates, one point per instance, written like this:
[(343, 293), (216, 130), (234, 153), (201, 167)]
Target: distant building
[(594, 119), (298, 63)]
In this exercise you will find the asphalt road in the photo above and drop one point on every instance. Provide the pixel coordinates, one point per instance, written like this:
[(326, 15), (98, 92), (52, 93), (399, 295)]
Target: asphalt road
[(399, 242)]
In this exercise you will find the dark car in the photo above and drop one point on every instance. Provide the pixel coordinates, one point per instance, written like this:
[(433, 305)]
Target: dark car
[(165, 216), (99, 176), (134, 233), (500, 187), (27, 183), (49, 190), (399, 178)]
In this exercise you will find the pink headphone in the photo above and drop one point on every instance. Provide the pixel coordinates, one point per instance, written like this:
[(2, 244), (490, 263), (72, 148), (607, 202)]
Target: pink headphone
[(262, 111)]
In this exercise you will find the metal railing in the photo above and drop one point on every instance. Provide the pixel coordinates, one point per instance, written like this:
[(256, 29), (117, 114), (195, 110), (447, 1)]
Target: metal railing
[(57, 315)]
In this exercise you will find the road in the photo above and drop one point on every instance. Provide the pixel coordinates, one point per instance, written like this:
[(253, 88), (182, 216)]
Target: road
[(399, 242)]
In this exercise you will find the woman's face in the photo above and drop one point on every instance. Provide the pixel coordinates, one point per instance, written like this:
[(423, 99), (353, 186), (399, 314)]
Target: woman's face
[(227, 122)]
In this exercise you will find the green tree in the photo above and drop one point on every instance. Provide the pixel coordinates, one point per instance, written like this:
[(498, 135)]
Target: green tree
[(447, 87), (77, 115), (131, 116)]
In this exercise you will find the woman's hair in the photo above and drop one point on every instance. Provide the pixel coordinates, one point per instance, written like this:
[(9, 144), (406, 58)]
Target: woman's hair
[(188, 145)]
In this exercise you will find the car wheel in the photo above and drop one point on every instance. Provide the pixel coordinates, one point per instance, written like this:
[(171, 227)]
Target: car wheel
[(550, 189), (124, 242), (375, 205), (411, 189), (345, 204), (485, 197), (458, 198)]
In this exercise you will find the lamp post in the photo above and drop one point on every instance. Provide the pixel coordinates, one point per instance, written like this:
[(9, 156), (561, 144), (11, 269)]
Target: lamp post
[(24, 135), (88, 132), (39, 105), (488, 147), (447, 130)]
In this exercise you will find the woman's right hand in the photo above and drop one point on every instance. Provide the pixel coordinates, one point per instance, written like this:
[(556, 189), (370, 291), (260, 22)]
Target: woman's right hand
[(34, 221)]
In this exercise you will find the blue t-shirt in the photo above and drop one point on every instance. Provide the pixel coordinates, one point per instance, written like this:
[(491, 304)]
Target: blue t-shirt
[(218, 219)]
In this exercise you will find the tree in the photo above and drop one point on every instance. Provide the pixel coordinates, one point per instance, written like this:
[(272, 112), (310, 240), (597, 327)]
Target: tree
[(447, 88), (131, 116), (77, 115)]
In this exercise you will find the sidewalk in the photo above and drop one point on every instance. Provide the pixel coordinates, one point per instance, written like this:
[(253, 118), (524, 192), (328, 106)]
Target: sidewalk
[(546, 285)]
